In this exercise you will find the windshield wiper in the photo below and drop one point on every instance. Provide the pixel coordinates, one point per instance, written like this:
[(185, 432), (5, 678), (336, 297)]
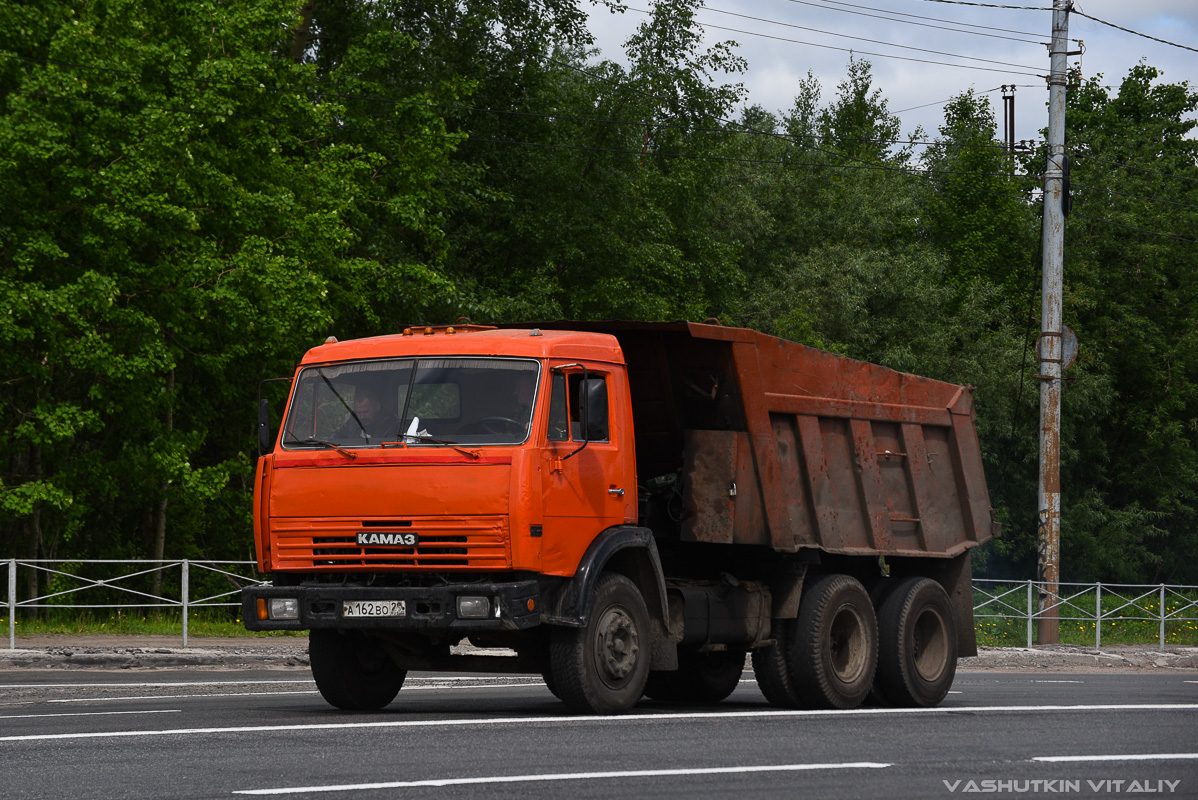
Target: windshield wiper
[(424, 437), (347, 453), (348, 408)]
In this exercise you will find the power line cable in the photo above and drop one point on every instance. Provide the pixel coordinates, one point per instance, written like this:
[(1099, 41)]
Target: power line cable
[(987, 91), (861, 52), (1081, 13), (1039, 37), (989, 5), (865, 39)]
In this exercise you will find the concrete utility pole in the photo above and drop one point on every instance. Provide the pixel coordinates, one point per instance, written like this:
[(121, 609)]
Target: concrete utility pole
[(1050, 346)]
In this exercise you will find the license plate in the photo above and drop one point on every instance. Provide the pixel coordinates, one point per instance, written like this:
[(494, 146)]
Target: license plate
[(373, 608)]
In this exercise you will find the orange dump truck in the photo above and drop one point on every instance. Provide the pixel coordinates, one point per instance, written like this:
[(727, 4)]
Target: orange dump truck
[(625, 508)]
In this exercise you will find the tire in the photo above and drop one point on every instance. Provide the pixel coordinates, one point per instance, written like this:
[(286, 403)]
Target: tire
[(877, 596), (700, 678), (917, 643), (771, 667), (352, 671), (602, 667), (547, 676), (660, 686), (834, 653)]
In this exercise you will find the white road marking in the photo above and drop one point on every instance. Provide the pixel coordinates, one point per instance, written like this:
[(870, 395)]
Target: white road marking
[(176, 696), (624, 718), (1058, 681), (313, 691), (1128, 757), (407, 688), (568, 776), (131, 684), (94, 713), (272, 694)]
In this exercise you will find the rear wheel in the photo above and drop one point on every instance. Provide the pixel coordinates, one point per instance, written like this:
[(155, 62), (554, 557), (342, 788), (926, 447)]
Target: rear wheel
[(771, 667), (352, 670), (602, 667), (700, 677), (834, 652), (918, 643), (547, 676)]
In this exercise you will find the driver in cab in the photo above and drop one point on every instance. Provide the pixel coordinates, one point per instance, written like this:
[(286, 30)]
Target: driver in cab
[(369, 421)]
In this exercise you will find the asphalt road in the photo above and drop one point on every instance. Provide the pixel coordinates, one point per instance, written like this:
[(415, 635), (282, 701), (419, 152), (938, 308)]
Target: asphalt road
[(236, 734)]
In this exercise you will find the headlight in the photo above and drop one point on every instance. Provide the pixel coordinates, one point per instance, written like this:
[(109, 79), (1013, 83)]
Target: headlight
[(284, 608), (474, 607)]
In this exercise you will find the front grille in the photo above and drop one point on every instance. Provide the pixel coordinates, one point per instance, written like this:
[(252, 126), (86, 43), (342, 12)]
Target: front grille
[(466, 543)]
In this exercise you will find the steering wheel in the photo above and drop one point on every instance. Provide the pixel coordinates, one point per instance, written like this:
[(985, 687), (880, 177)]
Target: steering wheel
[(499, 424)]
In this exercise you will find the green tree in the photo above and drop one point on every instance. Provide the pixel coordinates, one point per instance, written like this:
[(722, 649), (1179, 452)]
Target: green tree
[(601, 185), (184, 212), (1131, 278)]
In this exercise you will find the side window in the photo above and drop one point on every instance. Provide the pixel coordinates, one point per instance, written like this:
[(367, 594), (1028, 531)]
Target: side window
[(559, 414), (565, 407)]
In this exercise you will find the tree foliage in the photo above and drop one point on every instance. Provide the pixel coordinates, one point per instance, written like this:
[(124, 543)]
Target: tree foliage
[(195, 192)]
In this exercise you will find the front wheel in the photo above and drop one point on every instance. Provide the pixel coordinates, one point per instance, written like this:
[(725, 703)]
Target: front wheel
[(352, 670), (601, 668)]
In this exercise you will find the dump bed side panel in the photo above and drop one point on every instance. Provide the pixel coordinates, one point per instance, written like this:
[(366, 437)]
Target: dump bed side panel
[(875, 460), (784, 446)]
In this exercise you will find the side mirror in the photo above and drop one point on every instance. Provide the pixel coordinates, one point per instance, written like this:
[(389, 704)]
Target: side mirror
[(265, 440), (592, 405)]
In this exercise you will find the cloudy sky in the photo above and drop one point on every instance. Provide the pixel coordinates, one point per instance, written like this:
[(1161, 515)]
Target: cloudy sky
[(777, 66)]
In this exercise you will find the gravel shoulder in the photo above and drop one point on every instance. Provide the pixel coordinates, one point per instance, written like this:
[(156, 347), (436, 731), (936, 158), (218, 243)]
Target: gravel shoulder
[(291, 652)]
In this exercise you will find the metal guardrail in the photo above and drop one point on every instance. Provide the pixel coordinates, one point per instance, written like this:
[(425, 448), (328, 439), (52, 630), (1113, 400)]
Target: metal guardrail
[(1083, 603), (1022, 600), (64, 589)]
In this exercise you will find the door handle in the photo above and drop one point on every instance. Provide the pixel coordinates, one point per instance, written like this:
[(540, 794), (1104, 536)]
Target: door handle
[(616, 492)]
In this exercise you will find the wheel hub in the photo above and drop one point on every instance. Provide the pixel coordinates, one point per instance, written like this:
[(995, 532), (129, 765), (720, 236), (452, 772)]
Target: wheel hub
[(617, 644)]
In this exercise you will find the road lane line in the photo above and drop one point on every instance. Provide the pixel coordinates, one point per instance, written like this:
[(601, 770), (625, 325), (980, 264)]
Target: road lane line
[(1128, 757), (94, 713), (567, 776), (176, 696), (132, 684), (625, 718), (273, 694)]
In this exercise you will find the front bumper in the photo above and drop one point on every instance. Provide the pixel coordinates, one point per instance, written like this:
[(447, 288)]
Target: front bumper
[(515, 606)]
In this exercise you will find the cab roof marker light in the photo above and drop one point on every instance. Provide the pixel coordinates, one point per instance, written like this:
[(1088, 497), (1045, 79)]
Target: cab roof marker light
[(331, 340)]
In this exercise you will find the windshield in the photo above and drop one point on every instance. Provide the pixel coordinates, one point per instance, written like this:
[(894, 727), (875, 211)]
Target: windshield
[(429, 401)]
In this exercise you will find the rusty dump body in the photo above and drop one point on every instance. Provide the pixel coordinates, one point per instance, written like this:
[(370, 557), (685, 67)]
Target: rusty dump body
[(788, 447)]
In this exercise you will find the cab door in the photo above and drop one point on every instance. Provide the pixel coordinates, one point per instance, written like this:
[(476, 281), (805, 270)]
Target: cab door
[(588, 481)]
